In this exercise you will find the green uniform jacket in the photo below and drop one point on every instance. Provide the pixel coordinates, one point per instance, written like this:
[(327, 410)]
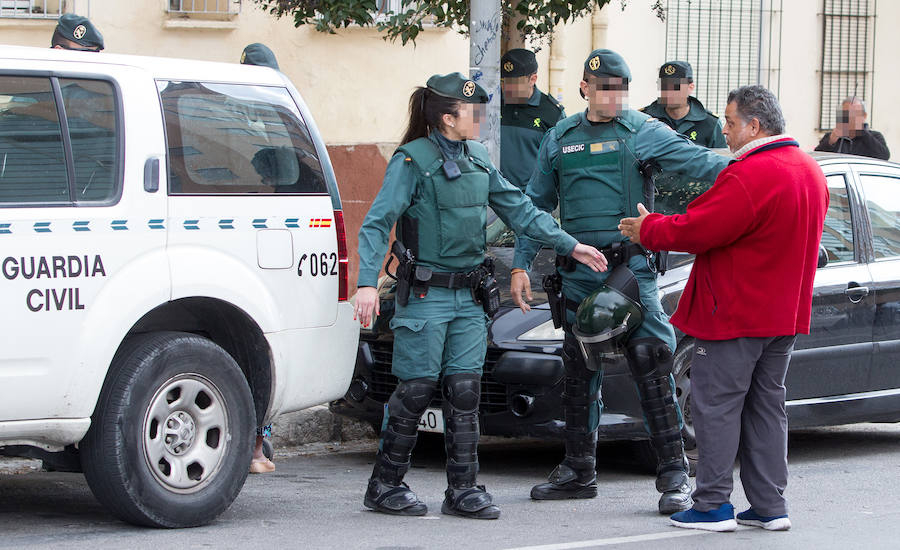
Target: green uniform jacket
[(400, 191), (639, 138), (522, 127), (699, 125)]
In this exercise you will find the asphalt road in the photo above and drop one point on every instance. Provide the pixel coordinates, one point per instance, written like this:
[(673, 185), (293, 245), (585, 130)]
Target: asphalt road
[(843, 491)]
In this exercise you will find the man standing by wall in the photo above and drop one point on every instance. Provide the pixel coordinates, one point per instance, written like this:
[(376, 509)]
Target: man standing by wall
[(526, 114), (680, 110), (852, 134), (756, 235), (588, 164)]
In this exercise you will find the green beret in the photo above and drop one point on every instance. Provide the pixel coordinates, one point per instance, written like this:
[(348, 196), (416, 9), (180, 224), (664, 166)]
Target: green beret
[(457, 86), (676, 69), (518, 62), (607, 63), (80, 30), (259, 54)]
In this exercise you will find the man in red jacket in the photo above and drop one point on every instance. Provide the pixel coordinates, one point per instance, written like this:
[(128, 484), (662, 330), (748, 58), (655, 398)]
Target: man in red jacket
[(756, 235)]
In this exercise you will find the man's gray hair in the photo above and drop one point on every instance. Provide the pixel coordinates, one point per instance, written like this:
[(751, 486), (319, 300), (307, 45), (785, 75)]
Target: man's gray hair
[(759, 103), (858, 100)]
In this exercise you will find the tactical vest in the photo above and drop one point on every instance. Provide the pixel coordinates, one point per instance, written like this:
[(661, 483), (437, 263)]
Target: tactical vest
[(448, 216), (599, 183), (701, 132)]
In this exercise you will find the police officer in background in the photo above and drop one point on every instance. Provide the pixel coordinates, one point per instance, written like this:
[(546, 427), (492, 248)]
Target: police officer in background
[(589, 165), (437, 187), (526, 114), (74, 32), (683, 112)]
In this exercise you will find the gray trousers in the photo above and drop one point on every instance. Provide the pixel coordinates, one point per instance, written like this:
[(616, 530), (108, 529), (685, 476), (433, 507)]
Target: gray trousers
[(737, 405)]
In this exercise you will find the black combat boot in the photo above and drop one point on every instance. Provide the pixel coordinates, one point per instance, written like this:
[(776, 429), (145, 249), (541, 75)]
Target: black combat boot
[(576, 476), (388, 494), (463, 497), (650, 361), (386, 491)]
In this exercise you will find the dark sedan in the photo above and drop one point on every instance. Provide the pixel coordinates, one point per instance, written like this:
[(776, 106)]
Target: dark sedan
[(846, 370)]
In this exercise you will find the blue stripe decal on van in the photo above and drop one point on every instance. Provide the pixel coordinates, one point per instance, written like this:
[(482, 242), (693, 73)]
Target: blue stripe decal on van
[(260, 223), (191, 224), (226, 224), (42, 227), (4, 229), (156, 224), (292, 223), (119, 225), (81, 225)]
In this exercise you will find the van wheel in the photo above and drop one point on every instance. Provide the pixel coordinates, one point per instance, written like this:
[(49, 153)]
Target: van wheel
[(172, 434), (645, 455)]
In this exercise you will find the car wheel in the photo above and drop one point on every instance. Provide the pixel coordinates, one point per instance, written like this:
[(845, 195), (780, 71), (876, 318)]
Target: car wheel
[(645, 455), (172, 434)]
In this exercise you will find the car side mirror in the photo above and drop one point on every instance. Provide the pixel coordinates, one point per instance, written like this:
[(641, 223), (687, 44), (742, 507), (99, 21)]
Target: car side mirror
[(823, 257)]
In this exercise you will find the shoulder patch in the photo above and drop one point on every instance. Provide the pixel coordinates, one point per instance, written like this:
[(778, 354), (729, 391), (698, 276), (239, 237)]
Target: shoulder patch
[(408, 159)]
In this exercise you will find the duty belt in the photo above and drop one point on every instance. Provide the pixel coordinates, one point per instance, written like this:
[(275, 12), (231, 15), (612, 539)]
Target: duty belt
[(616, 254), (457, 280), (620, 253)]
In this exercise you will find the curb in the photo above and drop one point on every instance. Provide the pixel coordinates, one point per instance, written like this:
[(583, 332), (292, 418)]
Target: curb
[(317, 425)]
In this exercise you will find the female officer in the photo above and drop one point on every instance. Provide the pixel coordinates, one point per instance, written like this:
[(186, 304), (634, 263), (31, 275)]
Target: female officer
[(439, 184)]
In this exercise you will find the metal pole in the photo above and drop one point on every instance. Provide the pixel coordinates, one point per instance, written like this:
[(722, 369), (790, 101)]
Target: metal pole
[(484, 67)]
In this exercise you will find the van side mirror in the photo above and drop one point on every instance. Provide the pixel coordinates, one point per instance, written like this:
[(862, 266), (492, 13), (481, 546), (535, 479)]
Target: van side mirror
[(823, 257)]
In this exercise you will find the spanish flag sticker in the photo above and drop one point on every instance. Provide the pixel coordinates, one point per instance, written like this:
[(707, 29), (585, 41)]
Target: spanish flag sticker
[(604, 147)]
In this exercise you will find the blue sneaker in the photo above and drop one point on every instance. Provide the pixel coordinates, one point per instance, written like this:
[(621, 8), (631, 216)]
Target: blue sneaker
[(769, 523), (720, 519)]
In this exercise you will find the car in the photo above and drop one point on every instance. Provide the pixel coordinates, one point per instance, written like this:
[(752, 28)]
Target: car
[(846, 370), (174, 273)]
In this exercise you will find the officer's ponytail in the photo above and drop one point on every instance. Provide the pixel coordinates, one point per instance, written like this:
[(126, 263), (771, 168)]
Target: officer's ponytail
[(425, 111)]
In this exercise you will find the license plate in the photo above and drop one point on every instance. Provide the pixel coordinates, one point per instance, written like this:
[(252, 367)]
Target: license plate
[(432, 421)]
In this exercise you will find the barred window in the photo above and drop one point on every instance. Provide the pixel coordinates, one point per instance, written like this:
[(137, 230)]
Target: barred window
[(226, 7), (729, 43), (848, 48)]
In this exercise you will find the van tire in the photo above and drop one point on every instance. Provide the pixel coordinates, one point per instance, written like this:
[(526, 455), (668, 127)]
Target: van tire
[(148, 456)]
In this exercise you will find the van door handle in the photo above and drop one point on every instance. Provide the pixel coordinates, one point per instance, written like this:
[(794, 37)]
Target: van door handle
[(857, 292), (151, 175)]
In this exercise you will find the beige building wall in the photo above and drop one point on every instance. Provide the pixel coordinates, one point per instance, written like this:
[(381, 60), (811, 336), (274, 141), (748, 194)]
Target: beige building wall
[(356, 84)]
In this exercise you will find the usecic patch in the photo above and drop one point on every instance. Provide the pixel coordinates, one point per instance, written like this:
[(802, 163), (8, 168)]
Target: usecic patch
[(604, 147)]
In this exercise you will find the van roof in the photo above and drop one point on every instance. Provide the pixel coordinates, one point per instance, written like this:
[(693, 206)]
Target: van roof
[(160, 67)]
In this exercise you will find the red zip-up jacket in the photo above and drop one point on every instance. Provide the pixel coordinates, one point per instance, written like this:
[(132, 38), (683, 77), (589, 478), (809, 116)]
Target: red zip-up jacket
[(756, 235)]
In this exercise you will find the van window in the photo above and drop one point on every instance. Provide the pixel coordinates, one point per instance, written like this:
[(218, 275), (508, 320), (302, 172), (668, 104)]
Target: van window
[(91, 116), (32, 146), (237, 139), (32, 161)]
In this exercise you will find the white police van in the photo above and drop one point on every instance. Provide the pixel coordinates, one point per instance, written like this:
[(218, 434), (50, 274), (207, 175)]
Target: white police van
[(173, 272)]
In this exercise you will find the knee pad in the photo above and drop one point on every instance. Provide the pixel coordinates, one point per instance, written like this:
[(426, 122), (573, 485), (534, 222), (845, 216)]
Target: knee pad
[(462, 392), (411, 398), (649, 358), (406, 405)]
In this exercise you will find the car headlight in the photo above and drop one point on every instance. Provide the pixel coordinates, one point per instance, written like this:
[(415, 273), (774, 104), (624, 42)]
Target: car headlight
[(544, 332)]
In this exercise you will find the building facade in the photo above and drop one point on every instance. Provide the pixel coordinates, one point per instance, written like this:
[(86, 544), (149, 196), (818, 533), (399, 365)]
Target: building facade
[(810, 52)]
